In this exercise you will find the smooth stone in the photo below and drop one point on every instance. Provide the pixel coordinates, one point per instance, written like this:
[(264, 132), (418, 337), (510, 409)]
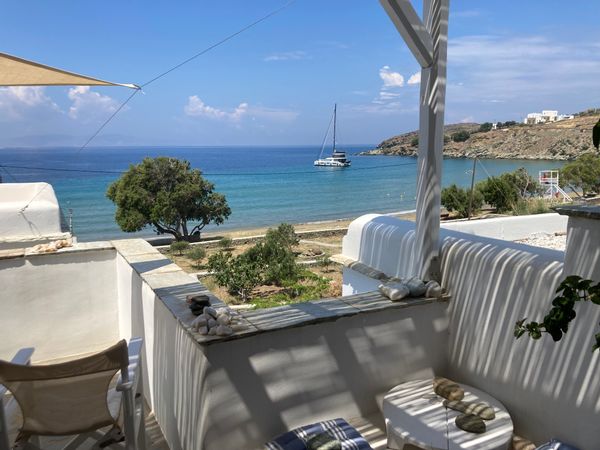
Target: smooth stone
[(416, 287), (323, 441), (210, 311), (470, 423), (199, 321), (433, 289), (394, 291), (448, 389), (482, 410), (203, 330), (198, 299), (212, 331), (211, 323), (224, 330), (223, 319)]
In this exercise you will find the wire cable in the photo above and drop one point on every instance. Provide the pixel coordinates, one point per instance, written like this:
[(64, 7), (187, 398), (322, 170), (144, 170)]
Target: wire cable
[(222, 41), (177, 66), (215, 174)]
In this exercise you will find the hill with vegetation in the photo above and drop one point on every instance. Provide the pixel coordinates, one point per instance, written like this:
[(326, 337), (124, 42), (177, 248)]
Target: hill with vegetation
[(564, 140)]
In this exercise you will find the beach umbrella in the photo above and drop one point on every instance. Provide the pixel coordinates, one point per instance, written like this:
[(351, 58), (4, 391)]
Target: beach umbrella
[(15, 71)]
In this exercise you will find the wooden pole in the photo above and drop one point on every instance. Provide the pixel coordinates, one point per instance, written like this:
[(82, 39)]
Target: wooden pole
[(472, 186)]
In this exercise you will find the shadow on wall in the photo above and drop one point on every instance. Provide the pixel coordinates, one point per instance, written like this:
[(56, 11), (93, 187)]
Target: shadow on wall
[(550, 389), (265, 385), (387, 244)]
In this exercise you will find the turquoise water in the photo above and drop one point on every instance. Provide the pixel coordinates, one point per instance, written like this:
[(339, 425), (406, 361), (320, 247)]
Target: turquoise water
[(263, 185)]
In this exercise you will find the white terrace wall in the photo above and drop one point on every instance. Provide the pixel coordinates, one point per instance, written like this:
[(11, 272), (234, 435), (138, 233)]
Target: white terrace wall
[(551, 390), (239, 394), (61, 304), (511, 228)]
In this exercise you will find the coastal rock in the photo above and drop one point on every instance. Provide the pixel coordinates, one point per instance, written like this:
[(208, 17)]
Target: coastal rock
[(564, 140)]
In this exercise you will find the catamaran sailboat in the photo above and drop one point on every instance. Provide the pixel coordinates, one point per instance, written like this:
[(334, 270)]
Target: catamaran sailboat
[(337, 158)]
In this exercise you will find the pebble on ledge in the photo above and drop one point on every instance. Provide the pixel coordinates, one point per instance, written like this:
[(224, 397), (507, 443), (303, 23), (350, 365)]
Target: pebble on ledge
[(216, 321)]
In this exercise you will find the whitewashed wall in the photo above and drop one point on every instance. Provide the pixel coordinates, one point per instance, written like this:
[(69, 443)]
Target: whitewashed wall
[(61, 304), (551, 390), (241, 393), (511, 228), (41, 220)]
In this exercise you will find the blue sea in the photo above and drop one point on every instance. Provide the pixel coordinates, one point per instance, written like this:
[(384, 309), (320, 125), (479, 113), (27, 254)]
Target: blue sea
[(263, 185)]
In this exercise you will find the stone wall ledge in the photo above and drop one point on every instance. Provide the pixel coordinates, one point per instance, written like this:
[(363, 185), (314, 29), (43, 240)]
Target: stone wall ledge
[(172, 285)]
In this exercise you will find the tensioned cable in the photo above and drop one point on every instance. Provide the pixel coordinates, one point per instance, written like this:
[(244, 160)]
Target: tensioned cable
[(177, 66), (117, 172)]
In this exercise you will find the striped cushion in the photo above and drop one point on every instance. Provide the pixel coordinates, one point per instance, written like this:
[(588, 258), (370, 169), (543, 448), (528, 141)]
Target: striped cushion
[(337, 428)]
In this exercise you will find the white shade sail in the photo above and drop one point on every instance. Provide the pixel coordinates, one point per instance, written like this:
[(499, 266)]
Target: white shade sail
[(16, 71)]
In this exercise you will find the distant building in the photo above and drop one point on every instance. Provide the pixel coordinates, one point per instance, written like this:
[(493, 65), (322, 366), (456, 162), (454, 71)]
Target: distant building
[(546, 116)]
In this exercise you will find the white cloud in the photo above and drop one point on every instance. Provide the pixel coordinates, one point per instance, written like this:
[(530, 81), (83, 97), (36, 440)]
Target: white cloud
[(17, 101), (286, 56), (415, 78), (519, 74), (88, 105), (390, 79), (195, 107)]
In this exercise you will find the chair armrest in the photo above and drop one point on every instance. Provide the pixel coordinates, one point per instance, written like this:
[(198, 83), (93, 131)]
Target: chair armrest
[(22, 357), (129, 379)]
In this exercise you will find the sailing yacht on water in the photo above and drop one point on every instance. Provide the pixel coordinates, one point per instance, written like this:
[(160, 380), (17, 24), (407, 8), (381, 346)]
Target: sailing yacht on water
[(337, 158)]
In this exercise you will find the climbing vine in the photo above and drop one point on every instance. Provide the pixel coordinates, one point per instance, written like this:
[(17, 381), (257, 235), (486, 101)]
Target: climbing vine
[(573, 289)]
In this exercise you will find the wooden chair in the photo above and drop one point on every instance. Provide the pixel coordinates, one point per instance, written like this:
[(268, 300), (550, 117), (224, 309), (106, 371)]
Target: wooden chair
[(76, 398)]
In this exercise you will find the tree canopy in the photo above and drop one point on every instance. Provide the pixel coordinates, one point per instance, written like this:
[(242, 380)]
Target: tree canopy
[(167, 194), (583, 173)]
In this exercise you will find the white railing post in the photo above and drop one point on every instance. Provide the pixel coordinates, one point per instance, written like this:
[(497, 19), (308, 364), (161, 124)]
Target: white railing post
[(431, 142), (428, 41)]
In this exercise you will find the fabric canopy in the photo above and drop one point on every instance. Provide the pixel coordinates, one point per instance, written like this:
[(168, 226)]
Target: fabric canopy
[(21, 72)]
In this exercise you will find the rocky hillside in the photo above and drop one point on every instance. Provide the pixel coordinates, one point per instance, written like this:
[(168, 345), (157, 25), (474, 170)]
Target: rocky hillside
[(559, 140)]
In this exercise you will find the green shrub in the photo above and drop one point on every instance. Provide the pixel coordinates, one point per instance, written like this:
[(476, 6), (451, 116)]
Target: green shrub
[(414, 142), (460, 136), (499, 193), (269, 262), (225, 243), (485, 127), (583, 173), (239, 274), (505, 192), (179, 247), (456, 199), (324, 261), (196, 254)]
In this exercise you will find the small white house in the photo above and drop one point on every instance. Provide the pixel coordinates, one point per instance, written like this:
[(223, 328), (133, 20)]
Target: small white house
[(29, 215), (546, 116)]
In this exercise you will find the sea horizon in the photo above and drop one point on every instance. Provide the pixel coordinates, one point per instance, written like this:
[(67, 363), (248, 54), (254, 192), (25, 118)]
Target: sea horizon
[(264, 185)]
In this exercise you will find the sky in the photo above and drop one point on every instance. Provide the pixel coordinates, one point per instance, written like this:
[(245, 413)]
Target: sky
[(276, 83)]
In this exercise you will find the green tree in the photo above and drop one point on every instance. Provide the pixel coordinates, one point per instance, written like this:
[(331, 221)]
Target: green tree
[(456, 199), (526, 185), (167, 194), (461, 136), (499, 193), (583, 173), (485, 127), (179, 247), (414, 142)]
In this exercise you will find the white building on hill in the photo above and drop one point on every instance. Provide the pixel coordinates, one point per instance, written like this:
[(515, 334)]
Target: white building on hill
[(546, 116)]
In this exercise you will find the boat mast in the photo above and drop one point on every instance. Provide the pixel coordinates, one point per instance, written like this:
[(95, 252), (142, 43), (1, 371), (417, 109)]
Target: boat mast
[(334, 122)]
